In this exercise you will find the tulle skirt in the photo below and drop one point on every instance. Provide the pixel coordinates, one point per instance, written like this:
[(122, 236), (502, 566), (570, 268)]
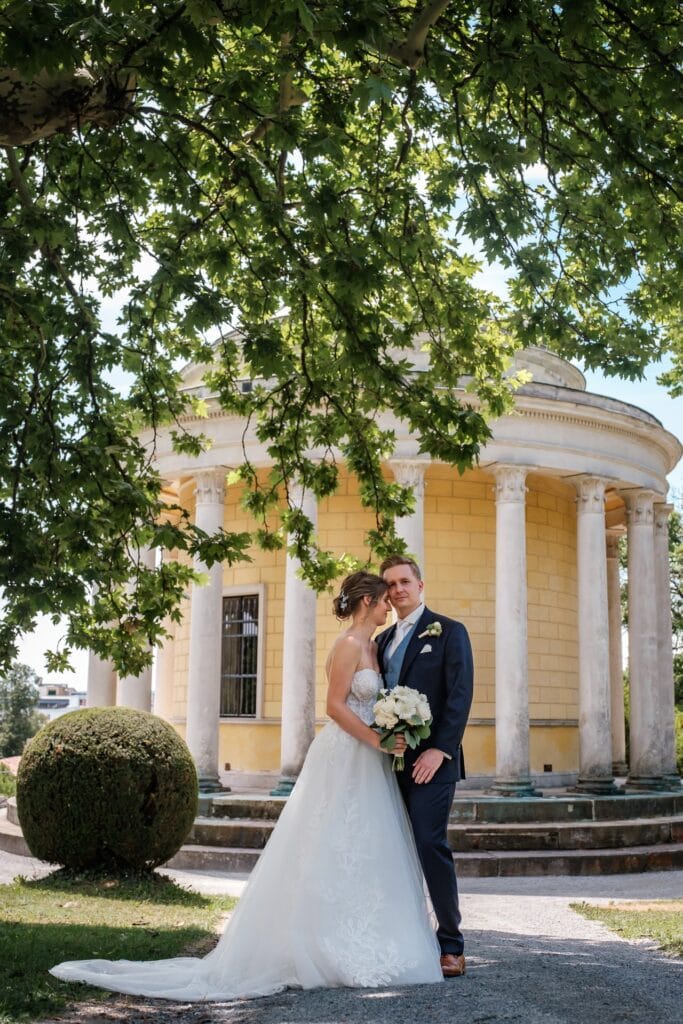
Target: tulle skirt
[(336, 899)]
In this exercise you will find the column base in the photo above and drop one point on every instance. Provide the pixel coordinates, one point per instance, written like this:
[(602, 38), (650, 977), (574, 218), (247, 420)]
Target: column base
[(645, 783), (619, 769), (519, 788), (284, 787), (673, 781), (211, 784), (597, 787)]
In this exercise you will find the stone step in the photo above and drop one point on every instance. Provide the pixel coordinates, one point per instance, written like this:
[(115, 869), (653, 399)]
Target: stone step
[(484, 810), (214, 858), (665, 857), (231, 832), (587, 835), (244, 833), (568, 808), (252, 807), (659, 857)]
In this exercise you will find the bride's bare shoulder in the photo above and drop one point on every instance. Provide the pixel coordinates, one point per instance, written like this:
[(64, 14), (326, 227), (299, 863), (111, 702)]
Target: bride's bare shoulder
[(346, 650)]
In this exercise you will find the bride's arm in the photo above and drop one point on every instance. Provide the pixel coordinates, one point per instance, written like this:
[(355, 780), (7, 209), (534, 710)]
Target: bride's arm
[(344, 661)]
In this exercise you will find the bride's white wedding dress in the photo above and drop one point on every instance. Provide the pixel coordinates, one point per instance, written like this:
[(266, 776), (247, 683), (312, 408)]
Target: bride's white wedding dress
[(336, 898)]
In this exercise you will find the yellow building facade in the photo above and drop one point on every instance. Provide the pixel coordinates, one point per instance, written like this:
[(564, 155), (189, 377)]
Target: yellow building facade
[(522, 550)]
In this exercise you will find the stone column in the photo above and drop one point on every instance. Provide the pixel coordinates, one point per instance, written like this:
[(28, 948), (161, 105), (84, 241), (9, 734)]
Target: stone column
[(410, 473), (206, 612), (616, 668), (101, 682), (136, 691), (164, 673), (595, 738), (512, 687), (101, 685), (645, 767), (298, 660), (667, 708)]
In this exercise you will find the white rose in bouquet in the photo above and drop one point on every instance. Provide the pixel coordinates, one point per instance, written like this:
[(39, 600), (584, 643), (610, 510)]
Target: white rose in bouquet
[(384, 717), (423, 710), (402, 711)]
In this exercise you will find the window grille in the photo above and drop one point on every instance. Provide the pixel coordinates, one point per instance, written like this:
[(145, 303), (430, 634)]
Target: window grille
[(239, 666)]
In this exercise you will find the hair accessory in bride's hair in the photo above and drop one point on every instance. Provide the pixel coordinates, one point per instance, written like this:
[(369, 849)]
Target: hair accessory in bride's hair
[(343, 600)]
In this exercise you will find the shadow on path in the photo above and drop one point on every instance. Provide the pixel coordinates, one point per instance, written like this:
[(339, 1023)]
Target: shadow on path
[(511, 978)]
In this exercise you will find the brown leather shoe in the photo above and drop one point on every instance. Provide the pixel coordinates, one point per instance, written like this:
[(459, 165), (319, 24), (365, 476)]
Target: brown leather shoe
[(452, 965)]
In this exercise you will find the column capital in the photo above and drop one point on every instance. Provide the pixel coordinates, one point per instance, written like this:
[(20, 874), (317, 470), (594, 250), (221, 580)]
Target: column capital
[(640, 506), (510, 483), (662, 512), (210, 486), (410, 473), (590, 494)]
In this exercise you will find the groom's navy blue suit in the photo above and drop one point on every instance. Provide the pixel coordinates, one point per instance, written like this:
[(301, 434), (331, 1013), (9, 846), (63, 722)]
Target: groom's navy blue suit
[(441, 668)]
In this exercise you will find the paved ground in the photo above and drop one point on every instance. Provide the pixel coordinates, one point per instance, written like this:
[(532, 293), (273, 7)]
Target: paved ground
[(531, 960)]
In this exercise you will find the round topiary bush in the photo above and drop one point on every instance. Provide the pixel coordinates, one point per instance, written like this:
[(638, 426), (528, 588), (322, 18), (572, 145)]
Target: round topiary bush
[(106, 788)]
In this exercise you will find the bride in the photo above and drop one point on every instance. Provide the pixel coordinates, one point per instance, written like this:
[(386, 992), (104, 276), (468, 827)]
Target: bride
[(337, 896)]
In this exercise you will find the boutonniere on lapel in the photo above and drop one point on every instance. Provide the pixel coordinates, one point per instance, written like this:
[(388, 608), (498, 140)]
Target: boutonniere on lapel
[(433, 629)]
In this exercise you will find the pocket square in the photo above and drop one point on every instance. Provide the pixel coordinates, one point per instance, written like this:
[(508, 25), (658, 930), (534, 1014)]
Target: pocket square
[(426, 649)]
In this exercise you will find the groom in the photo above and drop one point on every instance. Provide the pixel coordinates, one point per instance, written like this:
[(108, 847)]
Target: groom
[(432, 654)]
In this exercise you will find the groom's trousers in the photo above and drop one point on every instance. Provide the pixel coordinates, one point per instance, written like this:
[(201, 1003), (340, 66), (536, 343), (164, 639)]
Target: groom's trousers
[(428, 807)]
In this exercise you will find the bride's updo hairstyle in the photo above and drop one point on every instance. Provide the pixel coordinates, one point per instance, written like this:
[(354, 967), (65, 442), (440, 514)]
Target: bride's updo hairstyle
[(354, 588)]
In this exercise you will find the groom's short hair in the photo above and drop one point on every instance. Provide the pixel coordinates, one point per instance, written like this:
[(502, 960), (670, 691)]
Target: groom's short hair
[(393, 560)]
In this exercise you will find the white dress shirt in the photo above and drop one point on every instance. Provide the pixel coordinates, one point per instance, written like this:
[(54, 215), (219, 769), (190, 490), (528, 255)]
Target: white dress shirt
[(404, 626)]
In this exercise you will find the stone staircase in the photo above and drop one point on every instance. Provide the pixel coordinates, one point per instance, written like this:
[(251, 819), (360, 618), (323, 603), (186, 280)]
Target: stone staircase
[(563, 834), (553, 835)]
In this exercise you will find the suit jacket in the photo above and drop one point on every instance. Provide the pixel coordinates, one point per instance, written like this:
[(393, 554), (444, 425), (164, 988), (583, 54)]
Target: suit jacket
[(445, 675)]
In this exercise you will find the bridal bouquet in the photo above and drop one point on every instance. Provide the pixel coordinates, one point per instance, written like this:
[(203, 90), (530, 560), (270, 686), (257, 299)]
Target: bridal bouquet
[(402, 710)]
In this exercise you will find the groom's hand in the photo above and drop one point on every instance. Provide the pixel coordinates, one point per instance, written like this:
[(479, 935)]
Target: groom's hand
[(427, 764)]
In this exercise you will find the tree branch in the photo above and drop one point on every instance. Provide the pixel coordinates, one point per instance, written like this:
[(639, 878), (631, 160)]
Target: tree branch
[(47, 104), (411, 51)]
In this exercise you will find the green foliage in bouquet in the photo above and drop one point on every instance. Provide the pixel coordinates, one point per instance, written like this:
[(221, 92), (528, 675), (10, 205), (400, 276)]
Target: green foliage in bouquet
[(106, 788)]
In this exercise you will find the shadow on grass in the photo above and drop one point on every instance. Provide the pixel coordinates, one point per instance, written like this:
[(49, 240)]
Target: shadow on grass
[(144, 886), (27, 951)]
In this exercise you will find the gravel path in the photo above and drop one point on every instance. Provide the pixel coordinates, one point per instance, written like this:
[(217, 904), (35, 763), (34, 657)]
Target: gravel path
[(531, 960)]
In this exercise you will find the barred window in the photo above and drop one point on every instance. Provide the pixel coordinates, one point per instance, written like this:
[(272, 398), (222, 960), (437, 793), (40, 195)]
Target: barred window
[(239, 662)]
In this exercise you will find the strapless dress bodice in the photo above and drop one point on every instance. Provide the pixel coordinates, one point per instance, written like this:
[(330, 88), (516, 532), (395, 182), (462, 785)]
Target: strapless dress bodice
[(365, 686)]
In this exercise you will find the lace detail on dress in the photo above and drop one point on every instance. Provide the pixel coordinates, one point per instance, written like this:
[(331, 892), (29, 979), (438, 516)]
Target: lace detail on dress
[(365, 686)]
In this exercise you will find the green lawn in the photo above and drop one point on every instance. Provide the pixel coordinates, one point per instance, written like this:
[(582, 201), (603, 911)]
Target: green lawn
[(59, 918), (660, 920)]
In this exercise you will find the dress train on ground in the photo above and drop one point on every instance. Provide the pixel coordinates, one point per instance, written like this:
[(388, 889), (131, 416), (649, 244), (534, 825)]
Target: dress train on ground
[(336, 899)]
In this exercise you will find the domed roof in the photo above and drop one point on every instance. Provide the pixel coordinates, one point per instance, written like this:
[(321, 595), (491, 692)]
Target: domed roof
[(546, 367)]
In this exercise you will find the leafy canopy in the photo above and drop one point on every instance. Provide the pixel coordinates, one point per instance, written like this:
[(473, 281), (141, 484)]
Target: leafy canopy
[(215, 165)]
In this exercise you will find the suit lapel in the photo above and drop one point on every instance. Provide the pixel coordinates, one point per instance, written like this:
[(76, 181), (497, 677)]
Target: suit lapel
[(414, 644)]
